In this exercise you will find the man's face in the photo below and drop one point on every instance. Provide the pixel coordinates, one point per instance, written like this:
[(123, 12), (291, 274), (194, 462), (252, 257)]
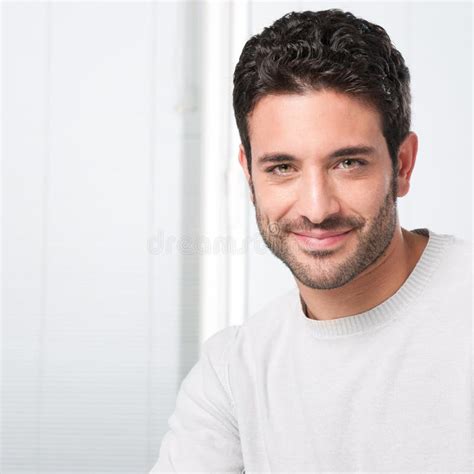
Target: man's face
[(299, 185)]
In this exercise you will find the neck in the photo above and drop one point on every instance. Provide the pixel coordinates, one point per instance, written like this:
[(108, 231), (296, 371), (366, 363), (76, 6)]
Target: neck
[(374, 285)]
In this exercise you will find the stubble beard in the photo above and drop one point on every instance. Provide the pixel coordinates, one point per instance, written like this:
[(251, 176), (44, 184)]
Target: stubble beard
[(317, 269)]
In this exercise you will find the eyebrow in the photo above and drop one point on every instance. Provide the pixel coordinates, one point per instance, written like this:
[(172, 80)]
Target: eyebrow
[(341, 152)]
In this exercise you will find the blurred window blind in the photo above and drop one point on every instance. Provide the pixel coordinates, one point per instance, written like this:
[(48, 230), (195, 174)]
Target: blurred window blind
[(101, 140)]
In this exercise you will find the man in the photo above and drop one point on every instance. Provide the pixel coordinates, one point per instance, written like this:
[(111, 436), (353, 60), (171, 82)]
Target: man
[(366, 364)]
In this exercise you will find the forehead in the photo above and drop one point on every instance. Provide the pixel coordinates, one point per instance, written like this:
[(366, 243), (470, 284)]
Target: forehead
[(312, 123)]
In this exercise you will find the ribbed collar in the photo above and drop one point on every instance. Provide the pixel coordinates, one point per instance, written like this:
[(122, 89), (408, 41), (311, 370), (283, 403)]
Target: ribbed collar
[(388, 309)]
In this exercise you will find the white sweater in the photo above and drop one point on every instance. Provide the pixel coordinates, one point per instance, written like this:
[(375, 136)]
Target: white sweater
[(387, 390)]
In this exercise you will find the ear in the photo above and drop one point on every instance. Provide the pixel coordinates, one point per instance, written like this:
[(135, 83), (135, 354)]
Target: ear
[(248, 177), (406, 162), (243, 163)]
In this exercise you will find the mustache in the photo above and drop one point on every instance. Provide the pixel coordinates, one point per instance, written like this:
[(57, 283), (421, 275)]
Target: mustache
[(278, 228)]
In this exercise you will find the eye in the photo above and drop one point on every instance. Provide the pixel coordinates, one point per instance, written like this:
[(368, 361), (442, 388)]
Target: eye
[(350, 162), (281, 169)]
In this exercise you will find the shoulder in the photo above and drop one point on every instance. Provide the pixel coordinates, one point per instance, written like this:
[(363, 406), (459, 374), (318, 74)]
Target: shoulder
[(461, 246), (242, 347), (445, 246), (459, 261), (271, 321), (261, 326), (271, 315), (260, 334), (457, 250), (218, 346), (453, 256)]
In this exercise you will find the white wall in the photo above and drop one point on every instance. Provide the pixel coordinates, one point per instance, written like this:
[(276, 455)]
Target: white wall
[(104, 113)]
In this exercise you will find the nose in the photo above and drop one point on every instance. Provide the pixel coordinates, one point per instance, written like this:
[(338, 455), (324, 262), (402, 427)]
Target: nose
[(316, 198)]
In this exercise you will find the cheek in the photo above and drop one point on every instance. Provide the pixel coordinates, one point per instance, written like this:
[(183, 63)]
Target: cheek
[(367, 200), (367, 195), (274, 202)]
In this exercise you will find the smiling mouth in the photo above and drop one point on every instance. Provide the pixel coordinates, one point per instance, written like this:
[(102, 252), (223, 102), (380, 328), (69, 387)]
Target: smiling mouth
[(312, 242), (323, 235)]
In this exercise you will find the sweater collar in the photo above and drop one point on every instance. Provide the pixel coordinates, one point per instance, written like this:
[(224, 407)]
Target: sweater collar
[(390, 308)]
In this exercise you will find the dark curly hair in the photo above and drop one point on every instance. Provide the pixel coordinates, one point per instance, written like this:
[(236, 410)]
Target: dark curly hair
[(328, 49)]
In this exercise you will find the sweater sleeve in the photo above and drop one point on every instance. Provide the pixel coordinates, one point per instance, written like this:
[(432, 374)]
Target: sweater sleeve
[(203, 433)]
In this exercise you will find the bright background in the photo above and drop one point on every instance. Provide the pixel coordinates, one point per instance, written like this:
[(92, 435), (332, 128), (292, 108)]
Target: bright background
[(121, 189)]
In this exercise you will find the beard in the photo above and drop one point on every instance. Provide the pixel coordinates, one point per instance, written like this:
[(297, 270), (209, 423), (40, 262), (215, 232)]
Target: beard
[(315, 268)]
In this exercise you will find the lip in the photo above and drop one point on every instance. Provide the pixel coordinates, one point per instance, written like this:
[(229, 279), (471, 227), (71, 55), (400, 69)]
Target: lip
[(323, 235), (321, 240)]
